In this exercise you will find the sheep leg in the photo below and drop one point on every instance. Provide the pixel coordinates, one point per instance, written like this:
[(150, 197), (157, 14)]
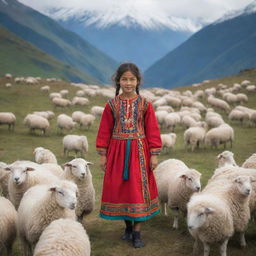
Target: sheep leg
[(163, 208), (207, 249), (223, 248), (196, 247), (176, 220), (242, 240)]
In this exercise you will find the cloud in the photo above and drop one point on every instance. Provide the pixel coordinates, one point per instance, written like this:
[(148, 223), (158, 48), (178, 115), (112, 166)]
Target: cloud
[(144, 11)]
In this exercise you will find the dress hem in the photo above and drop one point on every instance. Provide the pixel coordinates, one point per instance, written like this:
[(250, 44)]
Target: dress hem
[(104, 216)]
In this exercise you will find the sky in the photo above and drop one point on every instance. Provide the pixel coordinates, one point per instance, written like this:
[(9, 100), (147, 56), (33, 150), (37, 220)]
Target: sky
[(145, 11)]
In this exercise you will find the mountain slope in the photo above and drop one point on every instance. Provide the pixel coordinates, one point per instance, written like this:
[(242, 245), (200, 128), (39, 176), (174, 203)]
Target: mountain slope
[(220, 49), (53, 39), (23, 59)]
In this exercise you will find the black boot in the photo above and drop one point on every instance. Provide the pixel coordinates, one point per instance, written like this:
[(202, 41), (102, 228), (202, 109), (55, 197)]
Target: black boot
[(127, 234), (136, 240)]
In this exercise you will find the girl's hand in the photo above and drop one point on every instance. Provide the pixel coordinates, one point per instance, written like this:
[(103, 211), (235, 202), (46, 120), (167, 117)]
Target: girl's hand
[(153, 162), (103, 161)]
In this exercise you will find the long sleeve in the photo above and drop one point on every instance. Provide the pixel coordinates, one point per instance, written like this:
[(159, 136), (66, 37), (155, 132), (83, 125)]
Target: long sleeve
[(105, 130), (152, 130)]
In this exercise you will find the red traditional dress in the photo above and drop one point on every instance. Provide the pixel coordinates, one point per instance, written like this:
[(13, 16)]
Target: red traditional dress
[(128, 134)]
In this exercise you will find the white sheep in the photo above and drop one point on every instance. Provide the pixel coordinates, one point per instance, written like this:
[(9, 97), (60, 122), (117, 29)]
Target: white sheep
[(45, 88), (169, 109), (80, 101), (250, 162), (168, 141), (97, 111), (226, 158), (77, 116), (75, 143), (218, 103), (171, 120), (160, 116), (64, 93), (221, 134), (35, 122), (87, 120), (46, 114), (79, 172), (55, 95), (72, 241), (176, 183), (210, 221), (60, 102), (4, 177), (8, 118), (23, 175), (242, 98), (194, 136), (41, 205), (43, 155), (8, 220), (65, 122), (238, 115)]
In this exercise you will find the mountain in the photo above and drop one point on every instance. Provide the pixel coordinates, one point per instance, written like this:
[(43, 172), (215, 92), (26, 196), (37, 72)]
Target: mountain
[(219, 49), (52, 38), (23, 59), (128, 36)]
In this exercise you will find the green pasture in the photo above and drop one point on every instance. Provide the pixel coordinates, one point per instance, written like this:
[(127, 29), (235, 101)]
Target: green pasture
[(157, 233)]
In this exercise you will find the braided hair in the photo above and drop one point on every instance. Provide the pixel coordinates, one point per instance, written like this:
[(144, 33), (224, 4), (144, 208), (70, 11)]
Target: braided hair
[(127, 66)]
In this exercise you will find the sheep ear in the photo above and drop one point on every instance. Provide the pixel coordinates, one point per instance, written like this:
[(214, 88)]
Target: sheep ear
[(183, 176), (219, 156), (53, 189), (252, 179), (89, 163), (208, 210), (67, 164), (29, 169)]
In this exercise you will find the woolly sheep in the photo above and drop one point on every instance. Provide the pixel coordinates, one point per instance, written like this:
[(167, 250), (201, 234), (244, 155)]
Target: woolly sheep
[(75, 143), (65, 122), (60, 102), (73, 240), (55, 95), (80, 93), (87, 120), (41, 205), (8, 220), (23, 175), (176, 183), (171, 120), (226, 158), (238, 115), (165, 108), (241, 97), (80, 101), (160, 116), (34, 122), (210, 221), (46, 114), (97, 111), (64, 93), (160, 102), (4, 177), (220, 135), (43, 155), (45, 88), (218, 103), (253, 118), (172, 101), (79, 172), (250, 162), (8, 118), (194, 136), (168, 141)]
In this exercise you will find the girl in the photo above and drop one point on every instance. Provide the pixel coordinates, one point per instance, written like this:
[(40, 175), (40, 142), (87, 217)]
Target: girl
[(128, 142)]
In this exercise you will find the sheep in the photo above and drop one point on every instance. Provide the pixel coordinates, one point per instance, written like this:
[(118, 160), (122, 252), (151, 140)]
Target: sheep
[(8, 118), (8, 76), (45, 88), (253, 117), (73, 240), (168, 141), (176, 183), (41, 205), (199, 105), (46, 114), (79, 172), (60, 102), (250, 162), (97, 111), (221, 134), (43, 155), (77, 116), (87, 120), (235, 192), (80, 93), (4, 177), (8, 85), (209, 220), (194, 136), (160, 115), (65, 122), (80, 101), (75, 143), (226, 158), (172, 101), (34, 122), (218, 103), (8, 220), (23, 175), (160, 102), (169, 109), (242, 98), (171, 120), (236, 114), (64, 93), (55, 95)]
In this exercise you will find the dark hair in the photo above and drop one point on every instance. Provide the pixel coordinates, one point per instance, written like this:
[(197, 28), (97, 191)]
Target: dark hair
[(127, 66)]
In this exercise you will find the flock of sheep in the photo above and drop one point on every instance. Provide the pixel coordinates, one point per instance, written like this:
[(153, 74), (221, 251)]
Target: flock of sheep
[(64, 196)]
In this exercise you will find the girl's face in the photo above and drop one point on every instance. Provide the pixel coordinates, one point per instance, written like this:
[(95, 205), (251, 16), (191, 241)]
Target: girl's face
[(128, 82)]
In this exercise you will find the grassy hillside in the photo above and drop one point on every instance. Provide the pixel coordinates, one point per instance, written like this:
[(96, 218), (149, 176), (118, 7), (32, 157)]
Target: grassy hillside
[(21, 58), (158, 235)]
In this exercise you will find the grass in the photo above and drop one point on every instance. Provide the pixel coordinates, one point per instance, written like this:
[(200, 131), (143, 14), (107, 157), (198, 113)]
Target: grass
[(157, 233)]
